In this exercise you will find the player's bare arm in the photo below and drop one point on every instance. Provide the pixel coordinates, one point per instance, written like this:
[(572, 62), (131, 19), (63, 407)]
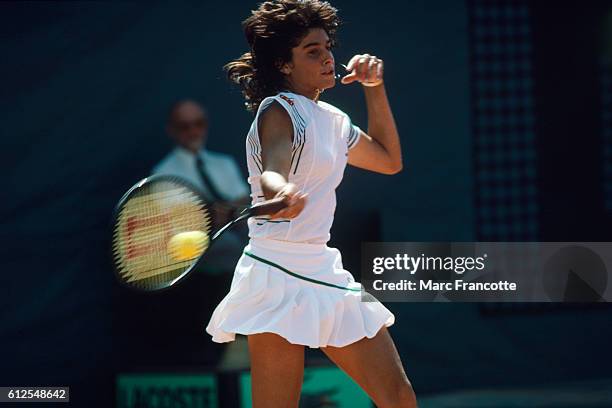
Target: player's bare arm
[(276, 134), (379, 149)]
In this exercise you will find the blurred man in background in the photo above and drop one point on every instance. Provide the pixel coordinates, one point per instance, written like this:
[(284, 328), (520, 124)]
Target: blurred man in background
[(216, 174), (221, 182)]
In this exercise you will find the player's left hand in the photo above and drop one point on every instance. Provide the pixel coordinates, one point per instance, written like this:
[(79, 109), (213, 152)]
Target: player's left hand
[(366, 69)]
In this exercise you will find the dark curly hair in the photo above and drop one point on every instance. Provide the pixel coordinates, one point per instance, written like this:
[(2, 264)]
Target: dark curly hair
[(272, 31)]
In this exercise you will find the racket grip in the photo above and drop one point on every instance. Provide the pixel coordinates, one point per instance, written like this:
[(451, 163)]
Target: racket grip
[(268, 207)]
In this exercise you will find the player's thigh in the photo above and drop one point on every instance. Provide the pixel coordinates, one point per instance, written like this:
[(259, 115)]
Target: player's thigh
[(376, 366), (277, 371)]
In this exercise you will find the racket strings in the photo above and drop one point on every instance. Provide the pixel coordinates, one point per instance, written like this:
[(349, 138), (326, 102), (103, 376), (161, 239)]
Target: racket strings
[(180, 223), (145, 224)]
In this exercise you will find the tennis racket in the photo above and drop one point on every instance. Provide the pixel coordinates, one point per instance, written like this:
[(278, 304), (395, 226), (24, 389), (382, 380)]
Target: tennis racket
[(162, 229)]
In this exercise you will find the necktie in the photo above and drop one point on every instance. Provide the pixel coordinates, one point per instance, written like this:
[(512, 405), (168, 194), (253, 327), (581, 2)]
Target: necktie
[(215, 194)]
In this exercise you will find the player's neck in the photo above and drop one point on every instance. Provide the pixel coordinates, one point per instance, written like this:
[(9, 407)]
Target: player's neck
[(312, 94)]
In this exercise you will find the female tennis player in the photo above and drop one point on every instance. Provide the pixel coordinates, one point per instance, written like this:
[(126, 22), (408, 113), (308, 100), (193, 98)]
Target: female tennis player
[(289, 288)]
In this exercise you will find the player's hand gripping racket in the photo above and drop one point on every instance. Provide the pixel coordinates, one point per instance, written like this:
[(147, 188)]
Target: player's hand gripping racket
[(162, 227)]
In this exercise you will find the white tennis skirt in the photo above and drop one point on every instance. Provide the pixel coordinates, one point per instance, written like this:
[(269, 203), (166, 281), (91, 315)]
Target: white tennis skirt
[(265, 296)]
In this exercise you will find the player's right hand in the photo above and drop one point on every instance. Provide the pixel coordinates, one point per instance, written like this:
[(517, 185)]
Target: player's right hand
[(295, 200)]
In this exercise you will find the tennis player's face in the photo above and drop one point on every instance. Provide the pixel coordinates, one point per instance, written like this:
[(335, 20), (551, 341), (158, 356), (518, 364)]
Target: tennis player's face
[(312, 66)]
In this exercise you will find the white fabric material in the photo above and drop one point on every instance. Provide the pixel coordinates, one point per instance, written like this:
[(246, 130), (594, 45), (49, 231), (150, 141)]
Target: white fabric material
[(322, 135), (221, 169), (263, 298)]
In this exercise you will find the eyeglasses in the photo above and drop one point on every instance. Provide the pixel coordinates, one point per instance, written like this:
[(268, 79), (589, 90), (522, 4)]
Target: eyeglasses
[(186, 125)]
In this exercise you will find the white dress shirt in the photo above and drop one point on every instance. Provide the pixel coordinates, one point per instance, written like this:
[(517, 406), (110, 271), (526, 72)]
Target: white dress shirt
[(221, 169)]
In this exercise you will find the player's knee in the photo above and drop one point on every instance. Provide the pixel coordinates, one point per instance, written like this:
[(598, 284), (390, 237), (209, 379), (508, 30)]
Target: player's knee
[(401, 396)]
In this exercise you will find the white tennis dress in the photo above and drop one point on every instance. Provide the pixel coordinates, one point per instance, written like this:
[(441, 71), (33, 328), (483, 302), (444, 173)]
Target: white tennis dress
[(288, 281)]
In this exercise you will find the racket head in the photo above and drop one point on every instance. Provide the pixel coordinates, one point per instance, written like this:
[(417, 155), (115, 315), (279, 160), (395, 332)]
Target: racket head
[(145, 220)]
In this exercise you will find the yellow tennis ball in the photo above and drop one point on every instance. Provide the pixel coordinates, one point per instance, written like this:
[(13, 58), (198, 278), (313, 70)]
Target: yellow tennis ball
[(187, 245)]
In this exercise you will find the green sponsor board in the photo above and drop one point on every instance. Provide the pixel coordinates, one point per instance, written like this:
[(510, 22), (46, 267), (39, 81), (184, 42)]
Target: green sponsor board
[(157, 390), (323, 387)]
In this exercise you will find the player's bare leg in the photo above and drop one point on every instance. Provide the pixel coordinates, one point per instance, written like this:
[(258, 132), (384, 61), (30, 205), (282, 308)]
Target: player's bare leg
[(277, 371), (375, 365)]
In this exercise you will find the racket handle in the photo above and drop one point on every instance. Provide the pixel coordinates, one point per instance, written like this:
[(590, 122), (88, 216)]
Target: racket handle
[(267, 207)]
